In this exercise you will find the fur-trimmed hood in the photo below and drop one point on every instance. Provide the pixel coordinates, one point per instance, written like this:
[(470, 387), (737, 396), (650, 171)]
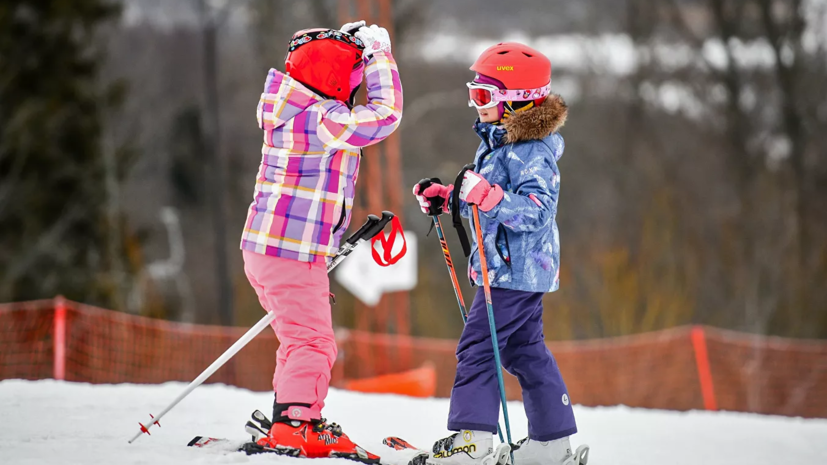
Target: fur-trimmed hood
[(537, 123)]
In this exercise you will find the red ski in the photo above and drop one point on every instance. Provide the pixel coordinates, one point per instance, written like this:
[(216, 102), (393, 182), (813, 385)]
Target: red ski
[(398, 443)]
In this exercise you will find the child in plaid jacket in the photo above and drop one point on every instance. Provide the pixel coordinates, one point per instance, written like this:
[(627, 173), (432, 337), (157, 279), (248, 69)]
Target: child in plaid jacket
[(302, 202)]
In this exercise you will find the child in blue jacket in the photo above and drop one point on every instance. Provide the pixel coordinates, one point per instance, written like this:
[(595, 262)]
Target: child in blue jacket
[(516, 187)]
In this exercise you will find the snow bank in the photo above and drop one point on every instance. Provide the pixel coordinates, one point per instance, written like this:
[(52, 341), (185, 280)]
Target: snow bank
[(69, 423)]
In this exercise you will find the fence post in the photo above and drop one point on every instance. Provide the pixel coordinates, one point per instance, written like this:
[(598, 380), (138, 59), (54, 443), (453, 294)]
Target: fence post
[(698, 337), (59, 339)]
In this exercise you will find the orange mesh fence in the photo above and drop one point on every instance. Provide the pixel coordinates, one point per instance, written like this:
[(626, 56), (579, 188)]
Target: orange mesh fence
[(103, 346), (363, 354), (680, 369), (653, 370), (26, 345), (769, 375)]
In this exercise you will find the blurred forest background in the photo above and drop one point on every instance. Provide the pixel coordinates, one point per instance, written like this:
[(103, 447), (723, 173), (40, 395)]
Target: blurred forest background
[(694, 178)]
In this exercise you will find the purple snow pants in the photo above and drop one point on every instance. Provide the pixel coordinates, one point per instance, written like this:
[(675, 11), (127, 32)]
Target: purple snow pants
[(475, 398)]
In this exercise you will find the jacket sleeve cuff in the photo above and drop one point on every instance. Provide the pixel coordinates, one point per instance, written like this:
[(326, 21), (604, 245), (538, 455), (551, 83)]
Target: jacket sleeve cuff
[(368, 58)]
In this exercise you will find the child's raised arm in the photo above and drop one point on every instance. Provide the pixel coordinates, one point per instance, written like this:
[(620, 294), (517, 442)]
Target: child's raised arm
[(363, 125)]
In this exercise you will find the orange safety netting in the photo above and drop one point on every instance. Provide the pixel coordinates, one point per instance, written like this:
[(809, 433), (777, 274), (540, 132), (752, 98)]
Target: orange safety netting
[(681, 368)]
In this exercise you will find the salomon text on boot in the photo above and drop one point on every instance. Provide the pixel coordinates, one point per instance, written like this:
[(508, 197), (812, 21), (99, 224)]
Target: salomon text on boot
[(466, 448)]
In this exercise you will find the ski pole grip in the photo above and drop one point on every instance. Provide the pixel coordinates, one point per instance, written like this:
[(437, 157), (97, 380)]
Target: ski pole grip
[(362, 231), (435, 209), (380, 225), (458, 186)]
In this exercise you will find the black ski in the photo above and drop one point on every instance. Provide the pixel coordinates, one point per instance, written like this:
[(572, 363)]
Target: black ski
[(257, 428), (229, 445)]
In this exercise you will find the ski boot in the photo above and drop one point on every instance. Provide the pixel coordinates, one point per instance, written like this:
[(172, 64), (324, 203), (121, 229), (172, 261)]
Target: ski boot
[(557, 452), (313, 439), (465, 448)]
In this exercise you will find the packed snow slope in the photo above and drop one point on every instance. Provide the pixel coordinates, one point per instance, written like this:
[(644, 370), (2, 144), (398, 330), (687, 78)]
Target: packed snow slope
[(51, 422)]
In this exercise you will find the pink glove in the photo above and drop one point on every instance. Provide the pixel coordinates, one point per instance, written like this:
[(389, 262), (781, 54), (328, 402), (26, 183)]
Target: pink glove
[(434, 190), (476, 190)]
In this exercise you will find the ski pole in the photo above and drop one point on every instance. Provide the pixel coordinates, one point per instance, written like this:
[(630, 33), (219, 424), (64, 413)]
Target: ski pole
[(372, 227), (450, 264), (434, 210), (490, 306)]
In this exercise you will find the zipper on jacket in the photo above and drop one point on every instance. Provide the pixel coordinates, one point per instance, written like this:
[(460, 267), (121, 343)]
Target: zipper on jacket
[(341, 216), (501, 229)]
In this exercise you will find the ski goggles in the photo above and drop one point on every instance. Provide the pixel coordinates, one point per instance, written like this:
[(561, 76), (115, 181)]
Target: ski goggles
[(482, 96), (306, 36)]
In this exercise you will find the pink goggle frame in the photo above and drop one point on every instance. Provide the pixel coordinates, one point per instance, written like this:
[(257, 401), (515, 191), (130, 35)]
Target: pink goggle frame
[(488, 96)]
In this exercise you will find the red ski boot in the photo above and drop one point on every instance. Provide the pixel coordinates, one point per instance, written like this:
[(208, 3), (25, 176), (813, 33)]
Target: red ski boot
[(316, 439)]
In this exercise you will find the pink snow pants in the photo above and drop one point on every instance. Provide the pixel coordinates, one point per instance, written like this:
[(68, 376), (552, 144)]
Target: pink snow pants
[(298, 294)]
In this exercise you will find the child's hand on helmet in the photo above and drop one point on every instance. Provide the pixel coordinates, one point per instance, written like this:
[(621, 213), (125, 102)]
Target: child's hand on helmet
[(476, 190), (435, 192), (376, 39), (351, 28)]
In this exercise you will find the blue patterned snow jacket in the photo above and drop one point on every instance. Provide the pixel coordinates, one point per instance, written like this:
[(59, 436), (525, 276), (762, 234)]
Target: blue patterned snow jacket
[(522, 244)]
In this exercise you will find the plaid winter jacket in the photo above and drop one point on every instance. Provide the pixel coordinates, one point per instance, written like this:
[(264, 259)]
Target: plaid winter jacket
[(310, 160)]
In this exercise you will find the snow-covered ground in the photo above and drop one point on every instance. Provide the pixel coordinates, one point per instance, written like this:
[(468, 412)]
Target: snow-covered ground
[(50, 422)]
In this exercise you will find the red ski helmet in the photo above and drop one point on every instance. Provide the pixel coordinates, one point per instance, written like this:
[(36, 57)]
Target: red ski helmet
[(516, 65), (327, 61)]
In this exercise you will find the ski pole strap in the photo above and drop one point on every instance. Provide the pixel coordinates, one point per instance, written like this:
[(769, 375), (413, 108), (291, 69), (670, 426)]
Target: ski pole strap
[(436, 201), (387, 243), (455, 213)]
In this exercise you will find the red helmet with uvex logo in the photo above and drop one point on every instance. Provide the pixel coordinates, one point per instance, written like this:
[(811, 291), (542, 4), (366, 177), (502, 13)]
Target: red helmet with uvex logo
[(517, 66)]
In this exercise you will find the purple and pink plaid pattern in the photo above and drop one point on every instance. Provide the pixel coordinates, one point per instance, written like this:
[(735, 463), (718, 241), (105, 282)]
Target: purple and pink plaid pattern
[(310, 161)]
